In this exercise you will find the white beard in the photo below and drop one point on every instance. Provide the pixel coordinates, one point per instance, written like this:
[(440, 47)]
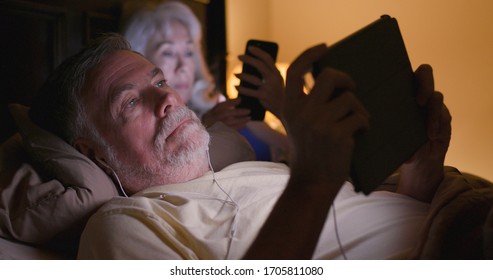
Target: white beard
[(181, 164), (191, 138)]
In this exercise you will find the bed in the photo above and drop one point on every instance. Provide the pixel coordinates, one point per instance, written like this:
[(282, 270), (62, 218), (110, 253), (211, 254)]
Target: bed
[(48, 190), (15, 250)]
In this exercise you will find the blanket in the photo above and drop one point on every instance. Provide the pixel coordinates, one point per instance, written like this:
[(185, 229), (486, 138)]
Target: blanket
[(460, 222)]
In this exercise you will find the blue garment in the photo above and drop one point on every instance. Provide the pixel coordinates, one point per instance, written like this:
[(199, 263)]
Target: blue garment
[(261, 149)]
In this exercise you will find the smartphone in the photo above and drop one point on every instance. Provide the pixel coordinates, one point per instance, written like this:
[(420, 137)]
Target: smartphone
[(376, 59), (248, 102)]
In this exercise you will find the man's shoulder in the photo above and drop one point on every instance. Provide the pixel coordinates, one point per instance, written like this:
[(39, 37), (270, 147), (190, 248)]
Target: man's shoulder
[(259, 166)]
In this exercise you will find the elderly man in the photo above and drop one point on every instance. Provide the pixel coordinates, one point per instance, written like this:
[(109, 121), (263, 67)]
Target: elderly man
[(115, 107)]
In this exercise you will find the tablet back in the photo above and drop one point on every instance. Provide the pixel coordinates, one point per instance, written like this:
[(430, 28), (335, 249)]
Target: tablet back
[(376, 58)]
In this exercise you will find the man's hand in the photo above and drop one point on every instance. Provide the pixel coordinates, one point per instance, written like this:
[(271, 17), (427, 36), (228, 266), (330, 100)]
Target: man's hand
[(422, 174), (321, 125)]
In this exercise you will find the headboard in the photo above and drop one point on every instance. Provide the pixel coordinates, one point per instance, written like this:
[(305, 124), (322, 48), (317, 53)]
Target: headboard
[(38, 34)]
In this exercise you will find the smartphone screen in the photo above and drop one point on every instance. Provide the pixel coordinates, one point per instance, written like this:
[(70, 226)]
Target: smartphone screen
[(252, 103)]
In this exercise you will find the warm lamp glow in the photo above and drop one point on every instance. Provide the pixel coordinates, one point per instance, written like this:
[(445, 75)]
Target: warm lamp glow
[(233, 81)]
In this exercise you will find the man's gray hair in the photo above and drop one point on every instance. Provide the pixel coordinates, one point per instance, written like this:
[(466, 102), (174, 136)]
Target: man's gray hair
[(57, 106)]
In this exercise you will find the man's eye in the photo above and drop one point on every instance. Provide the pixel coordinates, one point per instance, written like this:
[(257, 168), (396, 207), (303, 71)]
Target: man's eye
[(161, 84), (132, 102)]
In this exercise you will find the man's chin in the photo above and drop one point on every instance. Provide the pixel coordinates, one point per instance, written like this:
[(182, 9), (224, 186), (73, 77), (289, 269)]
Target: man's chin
[(188, 144)]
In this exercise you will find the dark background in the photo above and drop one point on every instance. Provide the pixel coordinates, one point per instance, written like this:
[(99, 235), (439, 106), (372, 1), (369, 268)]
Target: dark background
[(38, 35)]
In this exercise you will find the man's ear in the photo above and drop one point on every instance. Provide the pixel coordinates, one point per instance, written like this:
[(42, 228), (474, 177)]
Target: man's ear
[(92, 151), (85, 147)]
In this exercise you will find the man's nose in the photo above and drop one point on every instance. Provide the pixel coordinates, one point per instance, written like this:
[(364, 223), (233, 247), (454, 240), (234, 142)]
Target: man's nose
[(165, 100)]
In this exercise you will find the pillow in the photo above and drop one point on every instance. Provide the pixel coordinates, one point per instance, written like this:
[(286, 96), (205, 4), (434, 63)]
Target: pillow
[(227, 146), (50, 193)]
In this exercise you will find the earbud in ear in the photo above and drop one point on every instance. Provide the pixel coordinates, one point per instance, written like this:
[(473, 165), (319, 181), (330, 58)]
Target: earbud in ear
[(104, 165), (100, 161)]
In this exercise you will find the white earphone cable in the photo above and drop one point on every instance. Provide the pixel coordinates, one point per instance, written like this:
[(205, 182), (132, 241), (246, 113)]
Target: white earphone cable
[(119, 183), (113, 175), (231, 201), (341, 248)]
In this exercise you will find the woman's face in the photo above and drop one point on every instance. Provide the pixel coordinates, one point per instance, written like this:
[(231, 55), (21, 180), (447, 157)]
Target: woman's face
[(173, 51)]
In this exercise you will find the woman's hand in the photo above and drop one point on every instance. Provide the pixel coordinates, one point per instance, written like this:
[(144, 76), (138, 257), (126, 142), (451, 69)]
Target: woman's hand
[(270, 89), (227, 113)]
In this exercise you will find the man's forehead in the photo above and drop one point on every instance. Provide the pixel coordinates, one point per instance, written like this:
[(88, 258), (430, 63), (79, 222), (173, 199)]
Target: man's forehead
[(120, 58), (118, 67), (115, 70)]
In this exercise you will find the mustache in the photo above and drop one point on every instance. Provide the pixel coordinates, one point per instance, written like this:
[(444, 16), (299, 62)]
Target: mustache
[(171, 121)]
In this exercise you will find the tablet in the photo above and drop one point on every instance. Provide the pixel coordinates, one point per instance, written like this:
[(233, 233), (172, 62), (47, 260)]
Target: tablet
[(376, 58)]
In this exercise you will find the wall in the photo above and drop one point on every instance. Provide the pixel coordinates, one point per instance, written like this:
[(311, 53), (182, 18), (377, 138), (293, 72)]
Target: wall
[(455, 37), (246, 19)]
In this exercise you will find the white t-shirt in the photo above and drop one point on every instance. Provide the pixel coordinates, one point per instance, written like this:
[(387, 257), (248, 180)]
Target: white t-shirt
[(202, 219)]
